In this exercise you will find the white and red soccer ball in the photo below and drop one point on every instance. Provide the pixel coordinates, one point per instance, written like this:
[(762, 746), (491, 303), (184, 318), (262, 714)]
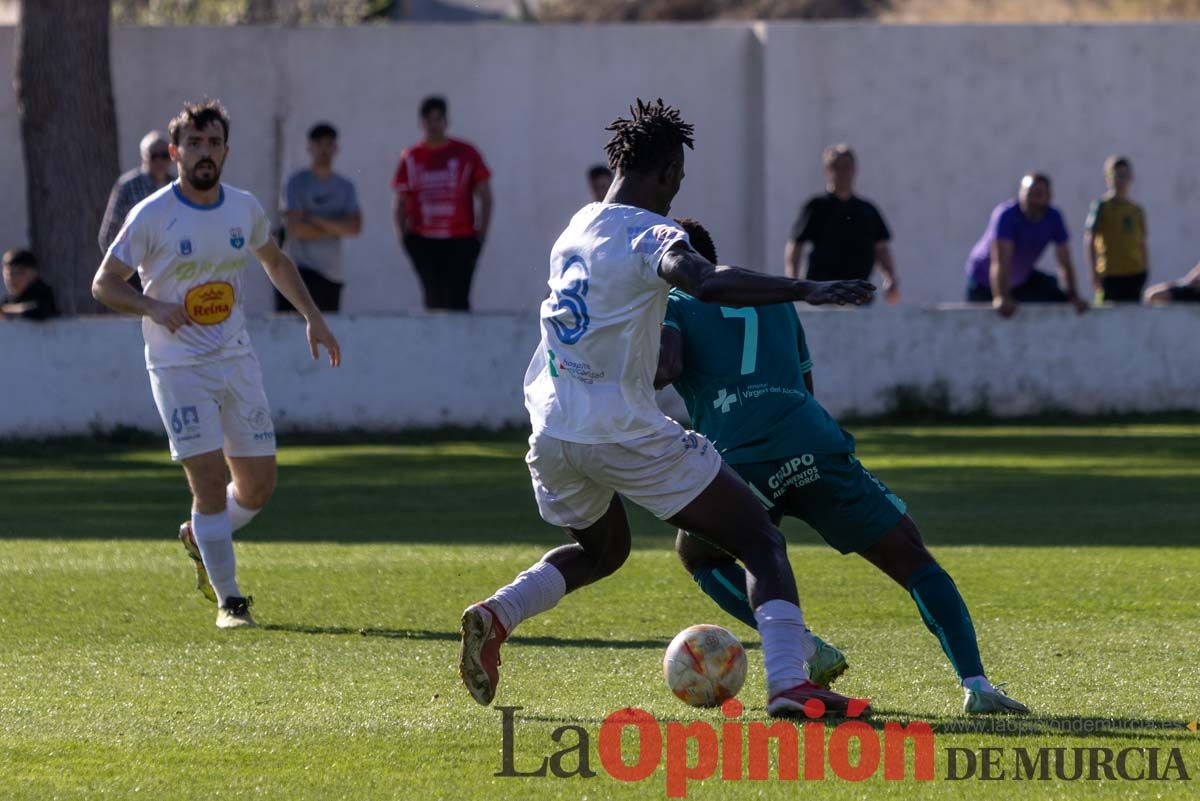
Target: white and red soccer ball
[(705, 665)]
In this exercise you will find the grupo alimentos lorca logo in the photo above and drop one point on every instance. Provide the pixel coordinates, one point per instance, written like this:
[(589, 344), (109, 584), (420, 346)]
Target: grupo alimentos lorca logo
[(736, 750)]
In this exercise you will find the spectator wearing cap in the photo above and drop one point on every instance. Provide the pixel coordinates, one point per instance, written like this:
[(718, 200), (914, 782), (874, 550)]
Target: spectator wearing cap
[(439, 184), (599, 178), (136, 185), (320, 208), (847, 233), (1001, 269), (26, 295)]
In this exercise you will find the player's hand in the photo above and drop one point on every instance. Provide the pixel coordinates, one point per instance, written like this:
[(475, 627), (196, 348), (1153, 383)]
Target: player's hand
[(1005, 306), (319, 334), (842, 293), (171, 316), (1079, 303)]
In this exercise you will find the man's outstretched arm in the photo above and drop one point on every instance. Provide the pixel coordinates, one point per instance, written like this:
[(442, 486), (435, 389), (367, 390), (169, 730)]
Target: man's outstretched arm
[(687, 270)]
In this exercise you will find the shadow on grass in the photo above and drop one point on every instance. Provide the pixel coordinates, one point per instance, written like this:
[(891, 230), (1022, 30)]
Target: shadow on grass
[(1067, 486), (453, 636)]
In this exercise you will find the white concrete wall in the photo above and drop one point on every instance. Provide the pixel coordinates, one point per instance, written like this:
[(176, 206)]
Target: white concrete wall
[(70, 376), (535, 100), (945, 119)]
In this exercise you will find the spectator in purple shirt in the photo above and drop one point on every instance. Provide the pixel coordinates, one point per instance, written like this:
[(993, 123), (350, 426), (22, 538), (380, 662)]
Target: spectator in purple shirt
[(1001, 268)]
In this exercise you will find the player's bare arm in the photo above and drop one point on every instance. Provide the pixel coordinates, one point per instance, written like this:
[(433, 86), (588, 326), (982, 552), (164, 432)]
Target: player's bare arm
[(670, 357), (111, 287), (685, 269), (286, 278)]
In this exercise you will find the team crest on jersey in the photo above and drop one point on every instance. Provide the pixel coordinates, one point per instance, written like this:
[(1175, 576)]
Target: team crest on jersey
[(210, 303), (185, 247), (236, 239)]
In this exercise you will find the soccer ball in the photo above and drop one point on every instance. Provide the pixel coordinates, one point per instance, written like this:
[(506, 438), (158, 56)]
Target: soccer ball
[(705, 665)]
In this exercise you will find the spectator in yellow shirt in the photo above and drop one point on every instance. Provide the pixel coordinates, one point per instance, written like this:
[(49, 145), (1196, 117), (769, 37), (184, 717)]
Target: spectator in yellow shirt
[(1116, 238)]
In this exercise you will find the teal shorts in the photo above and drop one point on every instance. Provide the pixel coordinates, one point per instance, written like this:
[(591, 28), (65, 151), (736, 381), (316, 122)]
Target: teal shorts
[(832, 492)]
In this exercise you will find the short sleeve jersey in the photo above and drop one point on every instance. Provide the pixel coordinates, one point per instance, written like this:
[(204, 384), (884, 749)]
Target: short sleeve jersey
[(591, 379), (333, 197), (1119, 232), (1029, 238), (196, 256), (438, 185), (743, 381), (843, 234)]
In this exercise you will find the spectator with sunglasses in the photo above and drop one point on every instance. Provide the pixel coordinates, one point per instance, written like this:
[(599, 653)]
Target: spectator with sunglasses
[(136, 185)]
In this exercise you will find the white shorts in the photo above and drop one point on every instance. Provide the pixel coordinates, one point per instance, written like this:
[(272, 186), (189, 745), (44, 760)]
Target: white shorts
[(216, 406), (662, 472)]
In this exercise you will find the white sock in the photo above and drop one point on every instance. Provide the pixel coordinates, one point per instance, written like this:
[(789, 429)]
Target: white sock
[(214, 537), (787, 645), (239, 515), (979, 683), (534, 591)]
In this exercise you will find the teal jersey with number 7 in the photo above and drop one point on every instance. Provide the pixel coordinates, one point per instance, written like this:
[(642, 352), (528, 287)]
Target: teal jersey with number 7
[(743, 381)]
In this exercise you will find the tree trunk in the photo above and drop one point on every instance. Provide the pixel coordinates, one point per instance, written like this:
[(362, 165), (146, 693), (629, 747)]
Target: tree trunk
[(69, 135)]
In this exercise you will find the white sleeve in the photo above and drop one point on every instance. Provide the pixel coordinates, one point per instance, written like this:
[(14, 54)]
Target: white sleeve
[(260, 226), (131, 245), (653, 243)]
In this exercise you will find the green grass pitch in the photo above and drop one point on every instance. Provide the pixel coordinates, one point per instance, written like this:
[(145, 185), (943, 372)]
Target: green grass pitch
[(1077, 548)]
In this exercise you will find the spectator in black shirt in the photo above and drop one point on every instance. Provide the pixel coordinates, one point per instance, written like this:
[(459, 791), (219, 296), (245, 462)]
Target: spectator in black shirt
[(26, 296), (848, 234)]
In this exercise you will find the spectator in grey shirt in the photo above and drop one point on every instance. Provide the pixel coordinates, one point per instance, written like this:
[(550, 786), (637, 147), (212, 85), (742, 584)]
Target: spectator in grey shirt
[(136, 185), (320, 207)]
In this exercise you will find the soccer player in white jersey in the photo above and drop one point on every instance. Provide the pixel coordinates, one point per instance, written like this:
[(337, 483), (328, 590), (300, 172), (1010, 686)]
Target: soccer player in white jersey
[(598, 433), (190, 243)]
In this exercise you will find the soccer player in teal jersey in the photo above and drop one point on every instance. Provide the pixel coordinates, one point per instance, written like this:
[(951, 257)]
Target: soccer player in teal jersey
[(745, 375)]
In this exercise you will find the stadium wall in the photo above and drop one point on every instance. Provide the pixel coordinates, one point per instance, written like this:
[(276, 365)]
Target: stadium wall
[(945, 119), (83, 375)]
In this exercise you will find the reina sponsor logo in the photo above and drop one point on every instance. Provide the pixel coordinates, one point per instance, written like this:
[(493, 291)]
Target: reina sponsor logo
[(211, 303)]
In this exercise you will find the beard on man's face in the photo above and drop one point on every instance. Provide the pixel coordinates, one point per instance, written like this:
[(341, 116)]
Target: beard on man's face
[(204, 175)]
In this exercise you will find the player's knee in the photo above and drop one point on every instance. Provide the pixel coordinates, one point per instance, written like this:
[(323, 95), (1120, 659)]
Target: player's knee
[(694, 553), (610, 559), (256, 494), (255, 487)]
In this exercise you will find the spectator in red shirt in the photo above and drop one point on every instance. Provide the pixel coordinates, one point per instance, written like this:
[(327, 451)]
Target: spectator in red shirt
[(438, 183)]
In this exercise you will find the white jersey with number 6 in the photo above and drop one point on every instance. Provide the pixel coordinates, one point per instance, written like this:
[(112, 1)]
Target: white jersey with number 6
[(195, 256), (591, 379)]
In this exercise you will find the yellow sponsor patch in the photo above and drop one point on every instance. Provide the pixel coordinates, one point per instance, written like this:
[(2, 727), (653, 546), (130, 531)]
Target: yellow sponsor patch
[(211, 303)]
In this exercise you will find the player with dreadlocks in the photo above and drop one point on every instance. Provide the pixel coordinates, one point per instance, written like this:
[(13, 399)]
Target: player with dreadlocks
[(598, 433)]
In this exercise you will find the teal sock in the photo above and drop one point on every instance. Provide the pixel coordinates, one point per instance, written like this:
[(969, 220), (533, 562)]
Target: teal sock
[(726, 584), (946, 616)]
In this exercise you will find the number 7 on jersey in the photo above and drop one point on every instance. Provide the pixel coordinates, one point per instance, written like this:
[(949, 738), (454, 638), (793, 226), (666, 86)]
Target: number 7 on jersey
[(750, 339)]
